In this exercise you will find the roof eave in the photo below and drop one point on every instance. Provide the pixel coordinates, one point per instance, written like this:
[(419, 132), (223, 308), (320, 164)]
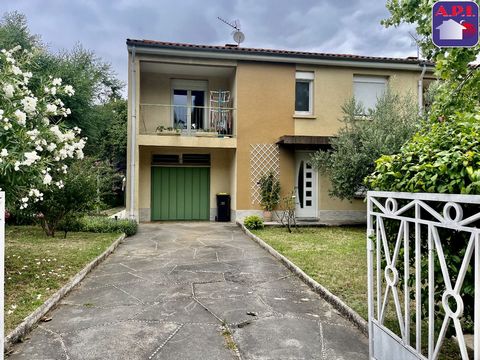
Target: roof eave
[(222, 54)]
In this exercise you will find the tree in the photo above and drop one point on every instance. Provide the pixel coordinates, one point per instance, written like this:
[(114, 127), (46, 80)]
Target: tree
[(362, 140), (93, 79), (35, 145), (78, 195), (113, 143), (14, 31)]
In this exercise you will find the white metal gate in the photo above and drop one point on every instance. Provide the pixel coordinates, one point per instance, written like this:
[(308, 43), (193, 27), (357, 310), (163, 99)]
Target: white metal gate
[(420, 225)]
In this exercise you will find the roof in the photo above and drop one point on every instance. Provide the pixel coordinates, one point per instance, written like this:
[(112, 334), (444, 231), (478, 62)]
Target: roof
[(233, 49)]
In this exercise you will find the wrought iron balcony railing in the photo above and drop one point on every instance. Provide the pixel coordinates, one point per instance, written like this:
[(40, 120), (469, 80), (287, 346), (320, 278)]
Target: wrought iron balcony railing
[(186, 120)]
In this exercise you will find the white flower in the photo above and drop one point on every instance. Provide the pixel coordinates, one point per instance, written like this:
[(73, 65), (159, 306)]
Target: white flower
[(68, 111), (59, 184), (79, 154), (27, 76), (51, 147), (4, 153), (16, 166), (39, 296), (24, 199), (46, 121), (16, 70), (21, 117), (30, 158), (47, 179), (8, 89), (57, 82), (69, 90), (53, 90), (33, 134), (29, 104), (52, 109)]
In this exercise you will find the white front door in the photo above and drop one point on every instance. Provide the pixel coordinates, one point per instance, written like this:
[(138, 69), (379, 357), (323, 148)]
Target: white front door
[(305, 187)]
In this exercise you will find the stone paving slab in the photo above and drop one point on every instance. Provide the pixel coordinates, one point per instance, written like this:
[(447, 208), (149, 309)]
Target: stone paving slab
[(193, 291)]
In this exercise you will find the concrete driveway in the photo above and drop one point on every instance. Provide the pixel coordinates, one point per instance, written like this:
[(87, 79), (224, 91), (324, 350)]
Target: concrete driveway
[(167, 293)]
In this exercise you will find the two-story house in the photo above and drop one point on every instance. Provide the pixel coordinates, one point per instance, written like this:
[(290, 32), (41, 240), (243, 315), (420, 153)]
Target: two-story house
[(205, 120)]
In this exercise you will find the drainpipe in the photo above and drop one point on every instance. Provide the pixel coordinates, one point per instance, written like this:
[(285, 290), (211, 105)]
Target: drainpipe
[(420, 90), (133, 134)]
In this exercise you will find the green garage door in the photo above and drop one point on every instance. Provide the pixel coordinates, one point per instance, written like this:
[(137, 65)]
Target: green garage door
[(180, 193)]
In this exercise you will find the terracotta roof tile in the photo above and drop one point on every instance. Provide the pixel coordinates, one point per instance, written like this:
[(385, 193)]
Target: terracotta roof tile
[(261, 51)]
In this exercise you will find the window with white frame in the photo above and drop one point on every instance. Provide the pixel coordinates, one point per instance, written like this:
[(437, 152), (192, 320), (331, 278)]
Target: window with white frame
[(368, 89), (304, 93)]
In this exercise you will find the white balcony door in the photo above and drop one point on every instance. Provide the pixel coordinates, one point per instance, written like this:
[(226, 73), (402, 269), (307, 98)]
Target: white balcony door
[(305, 186), (189, 104)]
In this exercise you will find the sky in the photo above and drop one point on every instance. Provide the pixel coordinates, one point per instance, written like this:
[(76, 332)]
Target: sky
[(333, 26)]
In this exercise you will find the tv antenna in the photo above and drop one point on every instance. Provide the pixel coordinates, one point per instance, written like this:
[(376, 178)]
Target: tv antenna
[(415, 41), (238, 35)]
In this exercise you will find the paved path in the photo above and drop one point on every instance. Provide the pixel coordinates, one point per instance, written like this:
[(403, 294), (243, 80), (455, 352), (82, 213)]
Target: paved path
[(166, 293)]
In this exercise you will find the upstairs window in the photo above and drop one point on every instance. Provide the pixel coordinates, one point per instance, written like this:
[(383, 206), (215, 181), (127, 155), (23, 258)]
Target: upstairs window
[(304, 93), (368, 89)]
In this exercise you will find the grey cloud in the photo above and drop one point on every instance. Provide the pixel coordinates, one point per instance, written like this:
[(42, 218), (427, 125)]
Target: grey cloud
[(344, 26)]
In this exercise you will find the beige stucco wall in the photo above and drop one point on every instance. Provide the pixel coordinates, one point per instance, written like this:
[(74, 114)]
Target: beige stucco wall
[(333, 86), (220, 173), (264, 113), (326, 202)]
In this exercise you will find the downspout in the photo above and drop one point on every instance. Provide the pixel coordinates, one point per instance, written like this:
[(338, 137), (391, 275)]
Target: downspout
[(420, 90), (133, 134)]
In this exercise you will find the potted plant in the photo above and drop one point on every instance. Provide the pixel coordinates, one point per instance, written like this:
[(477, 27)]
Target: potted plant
[(162, 130), (270, 194)]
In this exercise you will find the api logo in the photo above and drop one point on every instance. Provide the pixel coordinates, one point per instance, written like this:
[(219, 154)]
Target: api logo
[(455, 23)]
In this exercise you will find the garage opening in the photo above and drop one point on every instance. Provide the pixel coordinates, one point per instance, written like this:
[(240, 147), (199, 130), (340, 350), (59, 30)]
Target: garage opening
[(180, 187)]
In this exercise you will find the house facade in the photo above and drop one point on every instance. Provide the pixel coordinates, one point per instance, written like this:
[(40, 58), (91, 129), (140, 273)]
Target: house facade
[(208, 120)]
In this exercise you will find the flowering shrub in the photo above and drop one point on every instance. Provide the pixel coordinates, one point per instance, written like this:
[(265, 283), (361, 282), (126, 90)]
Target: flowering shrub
[(35, 147)]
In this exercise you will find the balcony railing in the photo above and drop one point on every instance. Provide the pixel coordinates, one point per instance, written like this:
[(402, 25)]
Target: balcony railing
[(186, 120)]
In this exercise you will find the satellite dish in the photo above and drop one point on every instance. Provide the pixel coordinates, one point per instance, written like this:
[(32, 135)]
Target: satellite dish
[(238, 37)]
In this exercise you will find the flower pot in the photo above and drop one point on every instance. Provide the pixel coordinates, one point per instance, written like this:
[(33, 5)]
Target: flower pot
[(267, 215)]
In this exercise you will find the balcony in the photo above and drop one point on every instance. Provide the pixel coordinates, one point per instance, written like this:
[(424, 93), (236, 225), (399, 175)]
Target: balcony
[(190, 126)]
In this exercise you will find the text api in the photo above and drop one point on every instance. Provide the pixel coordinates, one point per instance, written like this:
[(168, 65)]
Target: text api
[(455, 23)]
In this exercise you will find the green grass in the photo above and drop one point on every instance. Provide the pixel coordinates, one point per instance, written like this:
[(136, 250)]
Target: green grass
[(36, 266), (336, 257)]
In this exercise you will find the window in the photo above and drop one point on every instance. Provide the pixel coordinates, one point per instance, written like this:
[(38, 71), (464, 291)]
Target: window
[(367, 90), (304, 93), (188, 100)]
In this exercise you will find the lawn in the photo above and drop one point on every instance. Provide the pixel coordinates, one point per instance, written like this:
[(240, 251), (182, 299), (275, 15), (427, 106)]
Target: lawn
[(336, 257), (36, 266)]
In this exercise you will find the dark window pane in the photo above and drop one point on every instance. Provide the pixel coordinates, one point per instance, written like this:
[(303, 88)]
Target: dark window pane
[(180, 109), (309, 175), (302, 96), (308, 184), (308, 193), (198, 101), (308, 203), (300, 184)]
